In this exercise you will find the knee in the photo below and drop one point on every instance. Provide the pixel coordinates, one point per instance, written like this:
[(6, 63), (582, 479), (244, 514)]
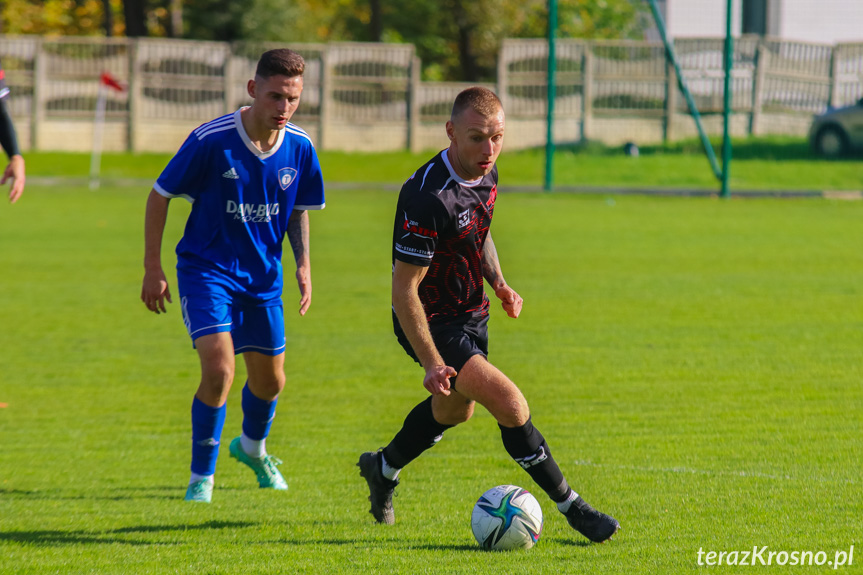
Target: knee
[(453, 414), (267, 388), (216, 379), (217, 373), (516, 414)]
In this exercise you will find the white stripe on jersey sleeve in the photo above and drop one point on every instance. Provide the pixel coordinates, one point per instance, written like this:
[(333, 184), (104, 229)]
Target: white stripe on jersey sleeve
[(4, 92), (166, 194), (214, 130), (317, 207), (205, 129), (294, 129)]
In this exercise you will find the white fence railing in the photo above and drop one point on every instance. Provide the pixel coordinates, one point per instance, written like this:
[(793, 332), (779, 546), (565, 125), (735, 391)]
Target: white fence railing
[(370, 97)]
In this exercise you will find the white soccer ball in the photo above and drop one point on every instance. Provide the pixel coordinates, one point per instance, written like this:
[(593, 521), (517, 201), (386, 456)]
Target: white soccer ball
[(506, 517)]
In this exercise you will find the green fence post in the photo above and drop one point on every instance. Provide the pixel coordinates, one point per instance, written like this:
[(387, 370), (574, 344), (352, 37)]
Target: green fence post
[(551, 89), (726, 102), (681, 83)]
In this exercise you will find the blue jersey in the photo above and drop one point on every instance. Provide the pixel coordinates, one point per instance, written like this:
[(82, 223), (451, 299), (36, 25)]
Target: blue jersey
[(241, 201)]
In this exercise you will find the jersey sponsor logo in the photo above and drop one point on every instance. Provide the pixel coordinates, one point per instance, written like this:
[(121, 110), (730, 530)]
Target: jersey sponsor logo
[(253, 213), (286, 176), (464, 218), (412, 227), (409, 251), (231, 174)]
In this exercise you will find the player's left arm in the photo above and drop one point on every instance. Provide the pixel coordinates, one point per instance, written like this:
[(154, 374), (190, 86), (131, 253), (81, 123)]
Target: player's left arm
[(14, 171), (492, 273), (298, 236)]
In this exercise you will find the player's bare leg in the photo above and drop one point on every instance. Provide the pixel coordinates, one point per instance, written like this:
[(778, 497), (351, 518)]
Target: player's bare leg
[(482, 382), (266, 374), (266, 380), (216, 352)]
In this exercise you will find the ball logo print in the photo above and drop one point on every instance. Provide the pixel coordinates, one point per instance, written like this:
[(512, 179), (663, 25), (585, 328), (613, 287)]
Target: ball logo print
[(506, 517)]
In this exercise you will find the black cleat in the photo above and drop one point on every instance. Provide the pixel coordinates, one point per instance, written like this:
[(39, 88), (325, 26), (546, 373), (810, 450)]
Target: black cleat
[(596, 526), (380, 488)]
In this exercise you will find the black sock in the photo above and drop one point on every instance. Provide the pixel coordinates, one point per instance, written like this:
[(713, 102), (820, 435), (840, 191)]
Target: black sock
[(527, 446), (419, 432)]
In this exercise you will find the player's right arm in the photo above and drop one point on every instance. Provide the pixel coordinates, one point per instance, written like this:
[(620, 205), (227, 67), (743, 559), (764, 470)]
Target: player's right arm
[(411, 315), (155, 290)]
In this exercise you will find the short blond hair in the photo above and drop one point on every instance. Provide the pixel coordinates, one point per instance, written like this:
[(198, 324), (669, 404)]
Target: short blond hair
[(479, 99)]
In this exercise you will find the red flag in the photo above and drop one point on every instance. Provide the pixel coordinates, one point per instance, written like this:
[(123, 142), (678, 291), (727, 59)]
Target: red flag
[(112, 82)]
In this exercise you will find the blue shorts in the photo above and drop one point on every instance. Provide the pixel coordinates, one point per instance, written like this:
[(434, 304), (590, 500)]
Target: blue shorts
[(212, 307)]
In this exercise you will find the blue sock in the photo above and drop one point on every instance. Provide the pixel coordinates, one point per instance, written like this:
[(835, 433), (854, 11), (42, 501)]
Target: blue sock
[(207, 423), (257, 415)]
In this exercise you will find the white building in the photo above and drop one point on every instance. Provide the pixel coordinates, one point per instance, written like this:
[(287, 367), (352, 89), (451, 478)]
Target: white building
[(821, 21)]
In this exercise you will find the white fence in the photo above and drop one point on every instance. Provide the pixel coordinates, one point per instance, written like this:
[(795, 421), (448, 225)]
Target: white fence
[(370, 97)]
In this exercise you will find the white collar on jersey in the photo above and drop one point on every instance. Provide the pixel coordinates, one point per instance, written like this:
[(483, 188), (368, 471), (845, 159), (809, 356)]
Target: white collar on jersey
[(238, 120), (456, 177)]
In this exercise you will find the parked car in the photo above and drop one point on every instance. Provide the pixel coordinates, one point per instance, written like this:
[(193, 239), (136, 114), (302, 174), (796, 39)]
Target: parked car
[(838, 131)]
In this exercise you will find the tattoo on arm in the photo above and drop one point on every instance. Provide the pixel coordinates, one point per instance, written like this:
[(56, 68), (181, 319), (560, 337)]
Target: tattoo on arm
[(490, 263), (298, 235)]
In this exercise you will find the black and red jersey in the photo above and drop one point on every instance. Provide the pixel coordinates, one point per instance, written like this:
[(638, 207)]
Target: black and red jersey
[(441, 222), (4, 90)]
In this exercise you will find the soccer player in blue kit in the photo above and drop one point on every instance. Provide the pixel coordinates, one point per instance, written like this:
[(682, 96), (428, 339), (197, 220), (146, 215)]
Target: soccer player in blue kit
[(442, 250), (251, 176)]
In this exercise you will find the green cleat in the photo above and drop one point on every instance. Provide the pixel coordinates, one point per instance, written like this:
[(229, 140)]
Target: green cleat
[(200, 491), (264, 467)]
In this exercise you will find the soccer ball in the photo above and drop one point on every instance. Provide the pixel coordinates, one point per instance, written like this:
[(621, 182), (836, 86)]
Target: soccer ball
[(506, 517)]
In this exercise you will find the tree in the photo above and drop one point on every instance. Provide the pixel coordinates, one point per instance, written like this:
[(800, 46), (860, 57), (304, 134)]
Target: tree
[(135, 18), (455, 39), (460, 39), (58, 17)]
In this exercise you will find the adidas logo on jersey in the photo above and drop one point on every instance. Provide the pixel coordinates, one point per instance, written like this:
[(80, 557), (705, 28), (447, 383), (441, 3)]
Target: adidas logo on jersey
[(231, 174)]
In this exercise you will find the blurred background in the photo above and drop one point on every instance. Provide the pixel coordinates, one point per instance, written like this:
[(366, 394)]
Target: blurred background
[(381, 75)]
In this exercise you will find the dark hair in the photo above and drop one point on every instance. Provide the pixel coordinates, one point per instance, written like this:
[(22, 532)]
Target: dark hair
[(280, 62), (481, 100)]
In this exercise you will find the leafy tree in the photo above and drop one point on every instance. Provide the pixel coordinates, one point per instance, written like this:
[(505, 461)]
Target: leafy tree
[(460, 39), (60, 17), (455, 39)]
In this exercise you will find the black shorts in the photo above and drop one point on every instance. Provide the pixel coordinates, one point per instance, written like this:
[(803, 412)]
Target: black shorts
[(456, 342)]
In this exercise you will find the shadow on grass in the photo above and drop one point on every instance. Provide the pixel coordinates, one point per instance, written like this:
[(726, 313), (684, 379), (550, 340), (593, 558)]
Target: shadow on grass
[(776, 148), (118, 494), (298, 542), (445, 547), (572, 542), (81, 537)]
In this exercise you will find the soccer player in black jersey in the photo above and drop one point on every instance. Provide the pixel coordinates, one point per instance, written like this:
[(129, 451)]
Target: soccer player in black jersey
[(442, 251), (14, 171)]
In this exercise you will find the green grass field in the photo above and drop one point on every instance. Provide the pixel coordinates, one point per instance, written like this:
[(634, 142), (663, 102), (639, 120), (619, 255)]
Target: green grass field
[(759, 164), (695, 365)]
